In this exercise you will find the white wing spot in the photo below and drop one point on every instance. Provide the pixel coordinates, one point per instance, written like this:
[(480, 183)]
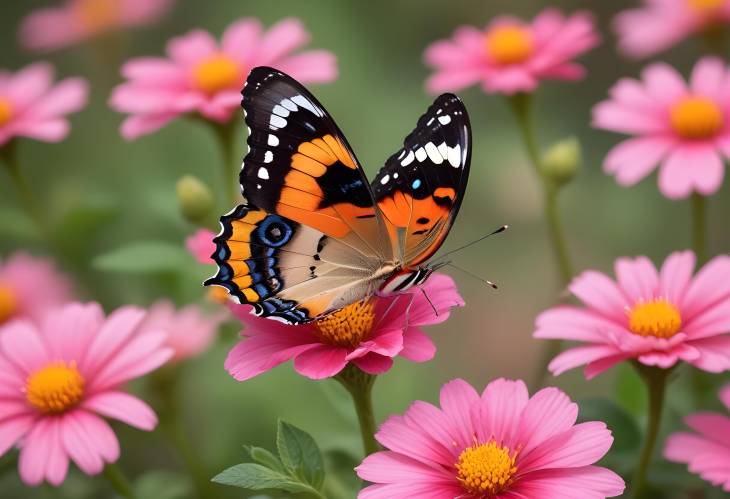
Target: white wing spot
[(395, 175), (428, 123), (263, 174), (300, 100), (443, 150), (421, 154), (268, 157), (385, 179), (281, 111), (434, 154), (277, 121), (289, 105), (454, 156), (272, 140), (408, 159), (445, 119)]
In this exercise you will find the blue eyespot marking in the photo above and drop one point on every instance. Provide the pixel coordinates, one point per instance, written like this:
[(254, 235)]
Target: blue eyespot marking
[(416, 183)]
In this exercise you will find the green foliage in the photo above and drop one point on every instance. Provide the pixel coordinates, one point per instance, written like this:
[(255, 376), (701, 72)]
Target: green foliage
[(144, 257), (162, 485)]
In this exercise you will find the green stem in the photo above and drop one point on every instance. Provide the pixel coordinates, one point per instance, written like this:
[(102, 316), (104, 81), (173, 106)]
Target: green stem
[(225, 133), (360, 386), (118, 480), (699, 227), (656, 382), (9, 156)]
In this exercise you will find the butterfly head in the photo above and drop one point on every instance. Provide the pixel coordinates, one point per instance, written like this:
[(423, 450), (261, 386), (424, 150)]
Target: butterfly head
[(404, 279)]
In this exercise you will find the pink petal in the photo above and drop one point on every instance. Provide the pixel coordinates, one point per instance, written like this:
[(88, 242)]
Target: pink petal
[(587, 482), (48, 130), (42, 454), (676, 275), (118, 328), (321, 361), (633, 159), (155, 71), (714, 354), (402, 435), (123, 407), (638, 278), (192, 47), (66, 97), (29, 84), (12, 430), (201, 245), (578, 356), (664, 83), (241, 39), (453, 79), (715, 427), (417, 346), (610, 115), (598, 291), (500, 409), (136, 126), (22, 345), (443, 295), (457, 400), (49, 29), (391, 467), (709, 76), (315, 66), (374, 363), (548, 413), (710, 286), (71, 330), (691, 168), (572, 323), (80, 444), (282, 38)]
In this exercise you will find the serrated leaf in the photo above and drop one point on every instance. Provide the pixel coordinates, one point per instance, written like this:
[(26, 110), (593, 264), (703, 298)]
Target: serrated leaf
[(265, 458), (300, 454), (253, 476), (144, 257)]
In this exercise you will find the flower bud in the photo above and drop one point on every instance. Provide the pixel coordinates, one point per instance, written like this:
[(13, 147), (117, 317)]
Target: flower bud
[(562, 160), (195, 199)]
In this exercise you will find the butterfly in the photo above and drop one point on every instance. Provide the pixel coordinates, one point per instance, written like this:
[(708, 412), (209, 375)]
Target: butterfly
[(314, 236)]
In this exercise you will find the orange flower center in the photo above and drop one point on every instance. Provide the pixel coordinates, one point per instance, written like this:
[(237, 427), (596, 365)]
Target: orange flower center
[(55, 388), (509, 44), (696, 118), (348, 327), (6, 111), (704, 6), (217, 73), (218, 294), (97, 15), (657, 318), (8, 303), (486, 469)]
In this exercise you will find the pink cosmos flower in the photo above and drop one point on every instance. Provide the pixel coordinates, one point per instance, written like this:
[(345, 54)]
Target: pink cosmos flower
[(657, 317), (59, 379), (190, 331), (503, 444), (510, 55), (201, 245), (53, 28), (368, 334), (707, 452), (204, 77), (685, 128), (30, 287), (660, 24), (32, 106)]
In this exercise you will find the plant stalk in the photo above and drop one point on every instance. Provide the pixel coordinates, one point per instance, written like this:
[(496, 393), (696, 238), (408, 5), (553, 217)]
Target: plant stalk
[(699, 227), (360, 385), (119, 481)]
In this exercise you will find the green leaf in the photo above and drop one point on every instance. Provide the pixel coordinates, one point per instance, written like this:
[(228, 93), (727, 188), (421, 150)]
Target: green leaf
[(163, 485), (300, 454), (265, 458), (77, 229), (630, 390), (626, 433), (144, 257), (253, 476)]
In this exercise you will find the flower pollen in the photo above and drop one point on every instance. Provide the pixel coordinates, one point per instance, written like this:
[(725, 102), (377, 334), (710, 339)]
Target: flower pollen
[(217, 73), (349, 326), (56, 388), (509, 44), (696, 117), (6, 111), (8, 303), (486, 469), (657, 318)]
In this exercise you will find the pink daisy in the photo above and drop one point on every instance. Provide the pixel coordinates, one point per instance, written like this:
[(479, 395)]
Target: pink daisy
[(201, 245), (77, 20), (30, 287), (368, 334), (32, 106), (59, 379), (683, 127), (503, 444), (707, 452), (510, 55), (662, 23), (657, 317), (204, 77), (190, 331)]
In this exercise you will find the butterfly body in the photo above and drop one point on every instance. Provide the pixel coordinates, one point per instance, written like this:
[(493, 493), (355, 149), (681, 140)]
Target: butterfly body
[(314, 235)]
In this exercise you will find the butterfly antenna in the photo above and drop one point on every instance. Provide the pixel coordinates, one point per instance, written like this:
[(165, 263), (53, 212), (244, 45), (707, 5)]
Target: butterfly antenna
[(485, 281), (429, 301), (499, 230)]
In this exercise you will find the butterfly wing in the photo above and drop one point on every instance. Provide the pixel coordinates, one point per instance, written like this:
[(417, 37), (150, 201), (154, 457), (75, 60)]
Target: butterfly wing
[(421, 187)]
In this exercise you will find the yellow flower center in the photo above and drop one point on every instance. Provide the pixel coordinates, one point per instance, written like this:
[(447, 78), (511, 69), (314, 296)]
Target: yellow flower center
[(55, 388), (348, 327), (657, 318), (97, 15), (703, 6), (696, 118), (217, 73), (486, 469), (8, 303), (509, 44), (6, 111)]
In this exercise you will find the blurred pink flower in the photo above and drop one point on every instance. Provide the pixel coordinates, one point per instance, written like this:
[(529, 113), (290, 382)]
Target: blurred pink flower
[(201, 245), (59, 378), (659, 24), (503, 444), (30, 287), (32, 106), (53, 28), (658, 318), (204, 77), (510, 55), (190, 331), (707, 452), (367, 333), (684, 127)]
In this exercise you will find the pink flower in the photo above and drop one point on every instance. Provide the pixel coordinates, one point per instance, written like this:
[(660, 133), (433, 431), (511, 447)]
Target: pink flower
[(32, 106), (707, 452), (189, 331), (510, 55), (368, 334), (503, 444), (204, 77), (58, 27), (662, 23), (30, 287), (59, 379), (685, 128), (201, 245), (658, 318)]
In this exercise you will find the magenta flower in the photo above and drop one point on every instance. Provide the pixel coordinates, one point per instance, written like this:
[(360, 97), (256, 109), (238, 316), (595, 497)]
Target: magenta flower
[(368, 334), (59, 379), (201, 245), (53, 28), (658, 318), (684, 128), (30, 287), (503, 444), (660, 24), (510, 55), (32, 106), (707, 452), (200, 76)]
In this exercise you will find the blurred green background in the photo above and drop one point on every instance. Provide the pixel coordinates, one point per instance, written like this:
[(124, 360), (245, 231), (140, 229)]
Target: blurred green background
[(104, 192)]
